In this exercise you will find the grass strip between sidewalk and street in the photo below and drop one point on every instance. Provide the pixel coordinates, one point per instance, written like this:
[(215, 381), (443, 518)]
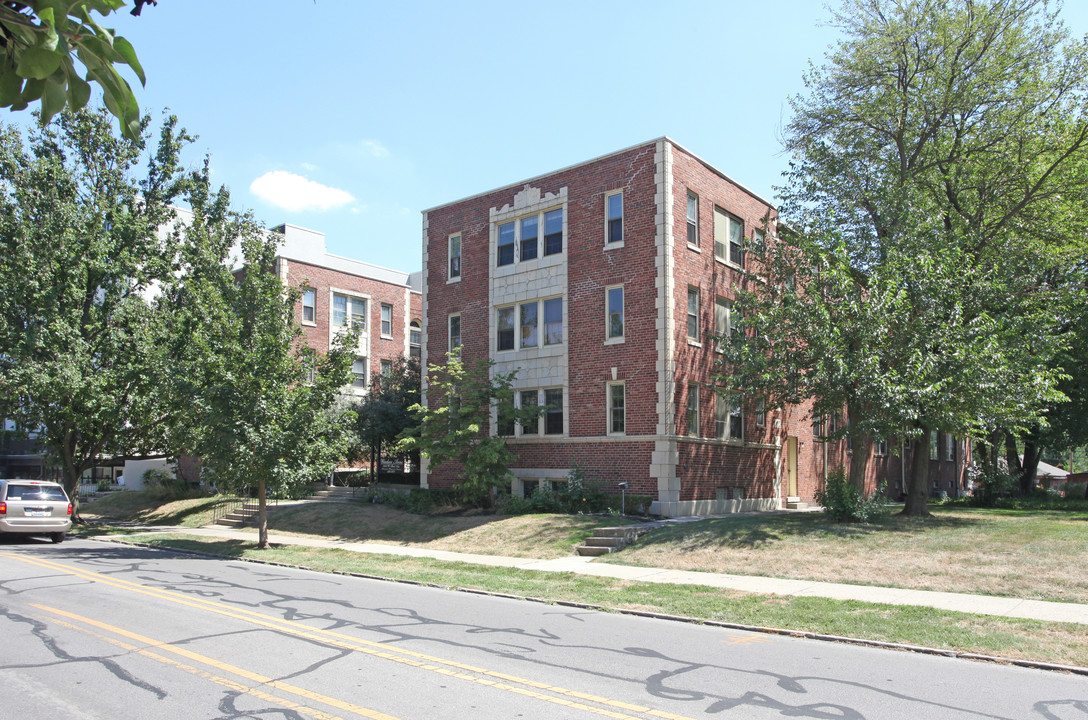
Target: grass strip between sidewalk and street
[(1057, 643)]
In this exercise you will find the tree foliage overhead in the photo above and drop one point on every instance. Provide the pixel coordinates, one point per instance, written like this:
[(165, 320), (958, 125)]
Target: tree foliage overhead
[(41, 42), (85, 245), (938, 186)]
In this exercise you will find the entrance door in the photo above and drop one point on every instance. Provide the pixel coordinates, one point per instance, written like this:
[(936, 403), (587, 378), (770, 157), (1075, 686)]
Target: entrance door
[(791, 466)]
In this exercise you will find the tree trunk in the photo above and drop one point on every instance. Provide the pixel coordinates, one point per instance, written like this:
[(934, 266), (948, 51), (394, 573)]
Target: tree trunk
[(1012, 454), (918, 488), (862, 444), (262, 517), (1030, 468), (378, 452)]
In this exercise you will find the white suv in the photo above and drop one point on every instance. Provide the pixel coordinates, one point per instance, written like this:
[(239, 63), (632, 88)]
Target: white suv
[(34, 507)]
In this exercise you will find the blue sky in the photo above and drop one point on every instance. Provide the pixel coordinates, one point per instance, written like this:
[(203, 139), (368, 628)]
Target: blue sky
[(350, 117)]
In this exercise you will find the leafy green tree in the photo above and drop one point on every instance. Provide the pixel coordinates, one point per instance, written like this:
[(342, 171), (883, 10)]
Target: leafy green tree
[(938, 154), (41, 42), (268, 413), (85, 249), (455, 425), (386, 412)]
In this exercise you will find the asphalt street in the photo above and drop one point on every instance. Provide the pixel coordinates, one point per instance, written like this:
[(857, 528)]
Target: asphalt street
[(92, 630)]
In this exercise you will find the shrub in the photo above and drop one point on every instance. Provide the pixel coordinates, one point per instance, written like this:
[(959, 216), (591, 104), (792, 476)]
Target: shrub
[(990, 487), (843, 502), (418, 500), (162, 485)]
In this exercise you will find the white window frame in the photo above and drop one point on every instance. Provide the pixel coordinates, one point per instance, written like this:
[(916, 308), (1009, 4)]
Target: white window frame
[(356, 320), (449, 331), (723, 246), (522, 394), (453, 265), (761, 413), (880, 447), (542, 335), (934, 445), (541, 236), (949, 447), (363, 377), (609, 337), (311, 294), (415, 339), (693, 318), (724, 413), (386, 367), (692, 222), (609, 218), (561, 409), (613, 412), (692, 410), (723, 321), (387, 309)]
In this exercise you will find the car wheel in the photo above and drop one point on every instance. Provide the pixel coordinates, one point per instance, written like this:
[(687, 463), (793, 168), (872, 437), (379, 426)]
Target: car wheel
[(57, 537)]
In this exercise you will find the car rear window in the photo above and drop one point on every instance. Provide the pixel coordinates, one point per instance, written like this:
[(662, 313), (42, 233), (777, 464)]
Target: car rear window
[(35, 492)]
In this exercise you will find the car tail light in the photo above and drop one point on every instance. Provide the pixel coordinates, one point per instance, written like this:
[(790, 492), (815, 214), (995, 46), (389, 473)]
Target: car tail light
[(3, 508), (69, 508)]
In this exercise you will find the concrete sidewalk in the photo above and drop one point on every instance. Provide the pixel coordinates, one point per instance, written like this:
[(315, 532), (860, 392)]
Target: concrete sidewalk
[(959, 602)]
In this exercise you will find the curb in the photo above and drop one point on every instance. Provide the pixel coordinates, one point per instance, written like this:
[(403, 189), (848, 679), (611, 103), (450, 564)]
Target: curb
[(804, 634)]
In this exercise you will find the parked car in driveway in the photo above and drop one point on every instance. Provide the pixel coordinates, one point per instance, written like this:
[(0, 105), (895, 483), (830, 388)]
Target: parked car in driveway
[(35, 507)]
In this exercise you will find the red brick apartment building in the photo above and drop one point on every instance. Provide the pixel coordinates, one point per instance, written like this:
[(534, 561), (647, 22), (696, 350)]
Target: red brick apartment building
[(600, 284), (338, 292)]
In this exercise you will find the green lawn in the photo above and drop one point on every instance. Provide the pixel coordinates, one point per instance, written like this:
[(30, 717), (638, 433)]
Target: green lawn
[(1015, 553)]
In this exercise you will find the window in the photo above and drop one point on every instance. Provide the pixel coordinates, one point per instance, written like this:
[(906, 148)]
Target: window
[(347, 310), (693, 314), (761, 413), (309, 305), (553, 417), (693, 219), (553, 321), (613, 218), (519, 240), (455, 331), (728, 418), (553, 232), (614, 313), (529, 400), (387, 320), (934, 441), (728, 237), (723, 321), (881, 448), (525, 319), (693, 410), (415, 339), (616, 417), (529, 245), (358, 373), (833, 423), (528, 325), (505, 324), (817, 426), (506, 244), (387, 368), (949, 447), (455, 257)]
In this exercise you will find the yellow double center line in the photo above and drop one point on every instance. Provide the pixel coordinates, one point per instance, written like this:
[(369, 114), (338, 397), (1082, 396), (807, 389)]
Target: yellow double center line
[(449, 668)]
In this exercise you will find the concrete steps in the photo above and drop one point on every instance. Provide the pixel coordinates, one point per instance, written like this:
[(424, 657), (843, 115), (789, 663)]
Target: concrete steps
[(607, 540), (794, 503), (240, 516), (335, 494)]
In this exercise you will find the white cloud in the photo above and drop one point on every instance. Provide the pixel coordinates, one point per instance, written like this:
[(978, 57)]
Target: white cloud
[(376, 149), (296, 193), (308, 166)]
